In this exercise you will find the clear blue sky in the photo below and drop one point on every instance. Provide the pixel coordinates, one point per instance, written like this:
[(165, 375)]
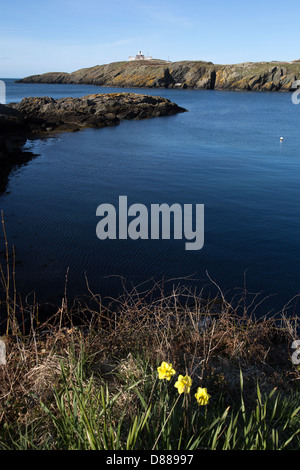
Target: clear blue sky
[(65, 35)]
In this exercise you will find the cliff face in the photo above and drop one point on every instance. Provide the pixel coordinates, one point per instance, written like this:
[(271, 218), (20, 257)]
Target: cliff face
[(262, 76)]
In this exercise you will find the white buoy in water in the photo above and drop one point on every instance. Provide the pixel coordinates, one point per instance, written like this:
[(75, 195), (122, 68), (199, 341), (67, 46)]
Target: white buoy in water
[(281, 139)]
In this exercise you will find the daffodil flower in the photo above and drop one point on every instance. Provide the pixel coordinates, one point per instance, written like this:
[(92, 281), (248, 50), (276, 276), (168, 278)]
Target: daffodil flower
[(165, 371), (202, 396), (183, 384)]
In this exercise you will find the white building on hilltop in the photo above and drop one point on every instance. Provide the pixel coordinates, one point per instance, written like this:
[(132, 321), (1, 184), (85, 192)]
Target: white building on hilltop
[(140, 56)]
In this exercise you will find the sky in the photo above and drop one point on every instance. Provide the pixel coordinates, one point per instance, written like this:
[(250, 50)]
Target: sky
[(39, 36)]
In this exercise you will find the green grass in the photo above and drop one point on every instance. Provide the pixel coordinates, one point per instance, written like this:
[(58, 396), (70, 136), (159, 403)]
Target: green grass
[(85, 414)]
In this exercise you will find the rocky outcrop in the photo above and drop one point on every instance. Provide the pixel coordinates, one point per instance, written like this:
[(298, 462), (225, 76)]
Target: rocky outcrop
[(252, 76), (98, 110), (10, 119), (13, 136), (33, 116), (12, 131)]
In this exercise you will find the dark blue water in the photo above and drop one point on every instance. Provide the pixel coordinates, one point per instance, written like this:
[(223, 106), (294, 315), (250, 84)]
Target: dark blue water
[(224, 153)]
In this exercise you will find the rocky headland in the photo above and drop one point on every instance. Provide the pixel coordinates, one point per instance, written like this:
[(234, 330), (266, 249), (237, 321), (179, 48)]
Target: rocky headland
[(35, 116), (249, 76)]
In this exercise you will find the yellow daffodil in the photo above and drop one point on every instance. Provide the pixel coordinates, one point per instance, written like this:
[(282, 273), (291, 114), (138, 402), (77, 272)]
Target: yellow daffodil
[(165, 371), (183, 384), (202, 396)]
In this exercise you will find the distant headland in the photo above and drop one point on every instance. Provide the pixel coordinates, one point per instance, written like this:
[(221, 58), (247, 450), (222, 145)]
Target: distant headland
[(144, 72)]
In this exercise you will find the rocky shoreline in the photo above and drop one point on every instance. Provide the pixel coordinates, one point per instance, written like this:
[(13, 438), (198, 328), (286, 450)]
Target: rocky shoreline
[(249, 76), (34, 116)]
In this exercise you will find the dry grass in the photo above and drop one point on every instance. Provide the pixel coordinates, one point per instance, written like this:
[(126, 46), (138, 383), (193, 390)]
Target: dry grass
[(210, 340)]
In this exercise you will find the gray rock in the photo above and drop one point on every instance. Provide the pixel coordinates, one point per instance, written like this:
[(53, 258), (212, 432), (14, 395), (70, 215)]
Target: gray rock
[(98, 110)]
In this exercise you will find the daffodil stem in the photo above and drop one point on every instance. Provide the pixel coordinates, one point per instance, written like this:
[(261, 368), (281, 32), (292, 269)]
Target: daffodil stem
[(165, 423)]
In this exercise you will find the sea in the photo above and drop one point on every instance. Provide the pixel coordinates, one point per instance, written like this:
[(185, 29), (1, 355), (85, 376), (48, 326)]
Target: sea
[(225, 153)]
